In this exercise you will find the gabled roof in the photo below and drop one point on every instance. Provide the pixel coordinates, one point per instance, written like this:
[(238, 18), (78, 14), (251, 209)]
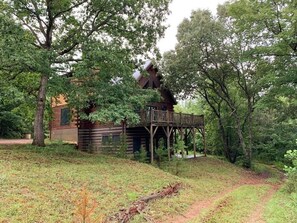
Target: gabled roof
[(152, 81), (137, 74)]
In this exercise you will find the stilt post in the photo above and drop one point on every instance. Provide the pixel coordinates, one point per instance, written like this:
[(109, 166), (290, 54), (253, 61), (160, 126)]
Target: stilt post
[(152, 143), (168, 141), (204, 141), (194, 142)]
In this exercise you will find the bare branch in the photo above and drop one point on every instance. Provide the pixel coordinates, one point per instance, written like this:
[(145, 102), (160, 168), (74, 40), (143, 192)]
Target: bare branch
[(40, 21), (32, 31)]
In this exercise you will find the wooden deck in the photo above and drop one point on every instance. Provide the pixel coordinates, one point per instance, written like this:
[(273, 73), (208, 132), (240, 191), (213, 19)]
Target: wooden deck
[(169, 118)]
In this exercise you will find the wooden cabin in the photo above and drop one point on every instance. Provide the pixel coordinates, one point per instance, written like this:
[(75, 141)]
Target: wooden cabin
[(157, 121)]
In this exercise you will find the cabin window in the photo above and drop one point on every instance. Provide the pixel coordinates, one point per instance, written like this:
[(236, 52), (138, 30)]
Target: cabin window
[(105, 139), (65, 116), (114, 139)]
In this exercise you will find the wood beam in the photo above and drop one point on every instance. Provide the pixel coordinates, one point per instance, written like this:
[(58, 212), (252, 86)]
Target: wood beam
[(168, 142), (193, 130), (204, 141), (152, 143)]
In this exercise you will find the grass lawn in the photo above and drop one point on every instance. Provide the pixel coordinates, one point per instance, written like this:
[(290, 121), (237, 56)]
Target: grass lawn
[(47, 185), (234, 207), (281, 208)]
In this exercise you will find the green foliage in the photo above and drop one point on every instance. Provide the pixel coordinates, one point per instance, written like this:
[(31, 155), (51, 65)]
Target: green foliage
[(141, 155), (122, 150), (16, 105), (179, 147), (274, 135), (96, 42), (291, 171), (176, 165), (161, 152), (11, 125), (242, 66)]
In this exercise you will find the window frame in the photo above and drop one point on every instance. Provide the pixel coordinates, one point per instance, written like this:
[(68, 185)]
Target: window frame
[(65, 116)]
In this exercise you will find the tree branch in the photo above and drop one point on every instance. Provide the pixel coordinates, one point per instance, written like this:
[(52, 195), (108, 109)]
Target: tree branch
[(69, 9)]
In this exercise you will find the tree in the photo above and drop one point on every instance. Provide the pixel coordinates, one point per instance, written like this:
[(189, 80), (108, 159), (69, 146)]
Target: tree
[(59, 34), (210, 60), (273, 26), (17, 105)]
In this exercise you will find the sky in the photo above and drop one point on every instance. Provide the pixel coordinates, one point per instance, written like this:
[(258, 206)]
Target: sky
[(181, 9)]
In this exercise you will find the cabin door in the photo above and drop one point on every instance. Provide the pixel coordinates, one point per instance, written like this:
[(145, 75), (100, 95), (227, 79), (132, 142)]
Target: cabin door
[(136, 144)]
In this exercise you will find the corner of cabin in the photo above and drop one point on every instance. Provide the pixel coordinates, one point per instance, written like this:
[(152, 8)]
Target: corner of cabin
[(63, 125)]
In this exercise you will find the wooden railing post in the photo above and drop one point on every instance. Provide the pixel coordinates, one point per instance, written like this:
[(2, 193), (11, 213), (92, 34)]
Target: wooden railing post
[(151, 115), (167, 114), (180, 118)]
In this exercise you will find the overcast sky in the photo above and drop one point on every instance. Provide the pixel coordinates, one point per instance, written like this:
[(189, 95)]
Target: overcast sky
[(181, 9)]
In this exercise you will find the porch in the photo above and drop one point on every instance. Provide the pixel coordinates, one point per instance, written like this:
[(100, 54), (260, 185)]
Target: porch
[(172, 124)]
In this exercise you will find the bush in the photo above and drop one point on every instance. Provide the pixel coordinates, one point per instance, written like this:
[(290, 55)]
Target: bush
[(179, 147), (161, 152), (291, 171), (122, 151), (141, 155)]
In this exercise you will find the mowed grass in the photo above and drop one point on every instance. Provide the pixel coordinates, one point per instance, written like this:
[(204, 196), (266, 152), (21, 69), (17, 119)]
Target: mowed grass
[(45, 185), (236, 206), (202, 178), (281, 208)]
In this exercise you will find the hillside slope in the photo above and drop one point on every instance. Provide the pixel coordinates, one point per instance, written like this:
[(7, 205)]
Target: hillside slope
[(46, 185)]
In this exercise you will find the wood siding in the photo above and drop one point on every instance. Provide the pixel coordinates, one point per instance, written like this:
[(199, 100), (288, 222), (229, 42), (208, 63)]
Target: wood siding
[(91, 139), (63, 132)]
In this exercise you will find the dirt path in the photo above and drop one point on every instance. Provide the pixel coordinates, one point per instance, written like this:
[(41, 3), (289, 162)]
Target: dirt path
[(15, 141), (249, 179), (257, 215), (198, 206)]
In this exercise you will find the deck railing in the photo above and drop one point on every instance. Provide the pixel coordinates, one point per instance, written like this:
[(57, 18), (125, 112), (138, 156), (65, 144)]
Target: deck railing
[(168, 117)]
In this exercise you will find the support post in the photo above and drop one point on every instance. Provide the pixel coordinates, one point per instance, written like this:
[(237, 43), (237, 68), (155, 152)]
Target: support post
[(204, 141), (182, 138), (152, 143), (168, 141), (194, 141)]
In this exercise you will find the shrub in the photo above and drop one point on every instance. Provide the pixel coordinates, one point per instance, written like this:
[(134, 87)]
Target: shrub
[(141, 155), (161, 152), (122, 151), (291, 171), (180, 146)]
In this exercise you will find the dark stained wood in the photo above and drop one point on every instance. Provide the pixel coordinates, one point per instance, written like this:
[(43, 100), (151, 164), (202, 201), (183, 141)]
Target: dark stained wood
[(164, 118), (159, 122)]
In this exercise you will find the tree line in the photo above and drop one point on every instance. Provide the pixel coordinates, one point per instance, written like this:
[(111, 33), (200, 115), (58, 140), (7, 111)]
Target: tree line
[(240, 65)]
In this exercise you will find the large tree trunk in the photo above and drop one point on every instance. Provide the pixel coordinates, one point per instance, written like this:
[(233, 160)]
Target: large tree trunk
[(250, 128), (225, 141), (38, 139), (247, 161)]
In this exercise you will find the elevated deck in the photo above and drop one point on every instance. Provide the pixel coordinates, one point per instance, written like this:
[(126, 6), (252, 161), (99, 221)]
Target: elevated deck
[(169, 118)]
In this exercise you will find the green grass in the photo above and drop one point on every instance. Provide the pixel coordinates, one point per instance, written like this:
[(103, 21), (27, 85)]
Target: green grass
[(235, 207), (45, 184), (272, 173), (281, 208)]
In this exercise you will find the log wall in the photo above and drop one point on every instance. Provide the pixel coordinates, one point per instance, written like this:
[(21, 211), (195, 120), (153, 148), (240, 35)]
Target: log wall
[(91, 139)]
